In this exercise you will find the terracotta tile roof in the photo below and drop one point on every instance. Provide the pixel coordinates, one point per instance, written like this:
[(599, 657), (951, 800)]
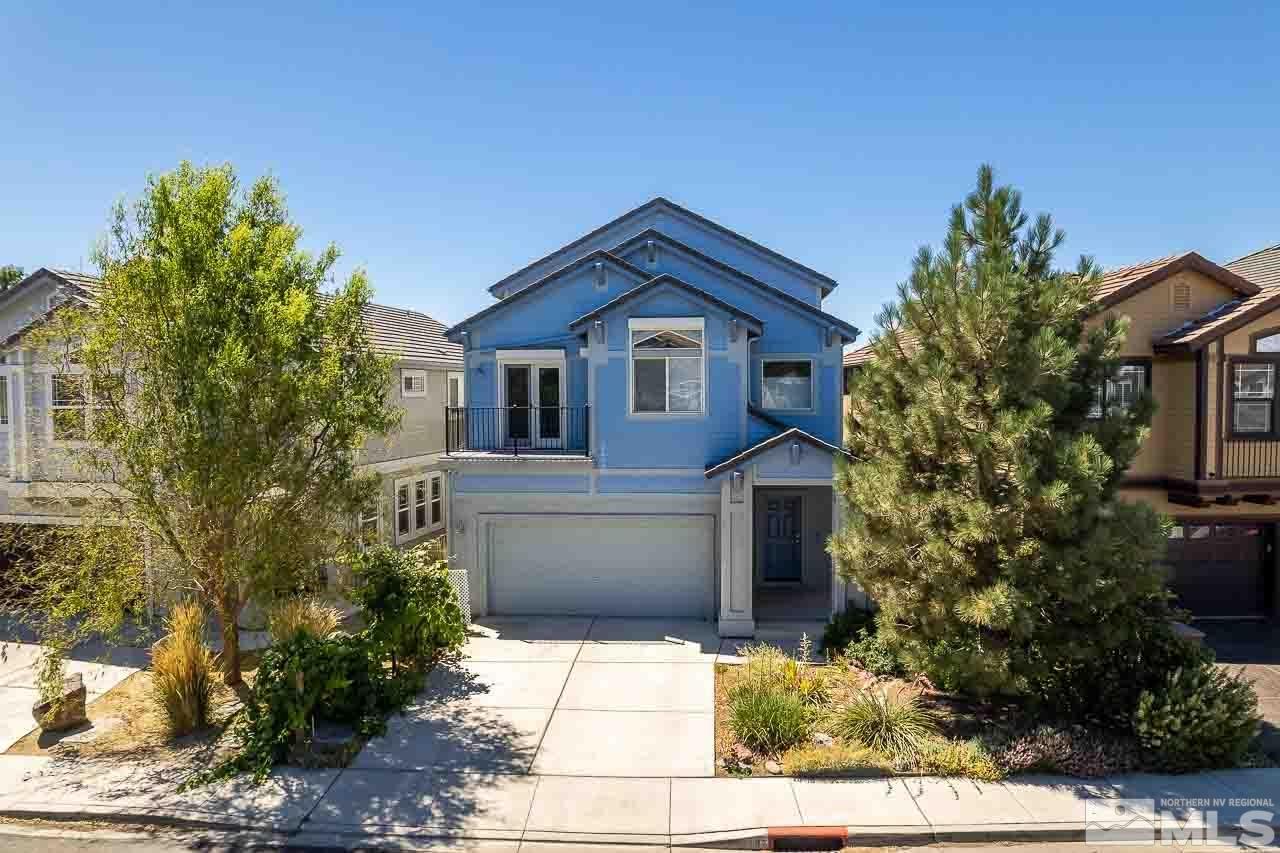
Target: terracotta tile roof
[(1117, 279), (866, 353), (1263, 269)]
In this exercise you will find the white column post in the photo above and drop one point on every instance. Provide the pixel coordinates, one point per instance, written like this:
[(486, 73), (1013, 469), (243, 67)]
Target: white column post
[(736, 581)]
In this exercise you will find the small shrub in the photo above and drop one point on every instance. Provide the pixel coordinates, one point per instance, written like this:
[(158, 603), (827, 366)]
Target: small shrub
[(870, 652), (894, 723), (1200, 718), (768, 666), (767, 719), (182, 670), (843, 629), (967, 758), (303, 613), (1076, 751), (838, 759), (409, 604)]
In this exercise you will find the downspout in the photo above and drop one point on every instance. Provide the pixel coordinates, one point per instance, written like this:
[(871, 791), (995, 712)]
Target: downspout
[(1200, 413)]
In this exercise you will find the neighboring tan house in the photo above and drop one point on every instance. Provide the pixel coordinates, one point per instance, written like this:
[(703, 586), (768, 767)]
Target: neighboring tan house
[(1204, 341), (652, 414), (37, 468)]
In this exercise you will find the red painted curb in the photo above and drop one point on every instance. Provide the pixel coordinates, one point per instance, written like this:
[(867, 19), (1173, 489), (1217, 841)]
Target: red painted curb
[(808, 837)]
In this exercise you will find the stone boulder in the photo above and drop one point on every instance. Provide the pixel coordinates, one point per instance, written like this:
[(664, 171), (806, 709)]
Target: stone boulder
[(65, 712)]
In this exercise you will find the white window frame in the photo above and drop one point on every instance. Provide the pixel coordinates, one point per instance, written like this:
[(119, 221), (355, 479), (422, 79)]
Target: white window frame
[(51, 408), (813, 382), (407, 373), (450, 377), (657, 324), (427, 481), (533, 359)]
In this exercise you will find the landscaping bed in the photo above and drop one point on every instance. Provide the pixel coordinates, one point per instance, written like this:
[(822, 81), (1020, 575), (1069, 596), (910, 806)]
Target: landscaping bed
[(857, 713)]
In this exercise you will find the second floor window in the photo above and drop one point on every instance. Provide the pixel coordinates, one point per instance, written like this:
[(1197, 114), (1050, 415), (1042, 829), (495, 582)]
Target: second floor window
[(786, 384), (1130, 382), (69, 407), (1253, 399), (666, 369), (413, 383)]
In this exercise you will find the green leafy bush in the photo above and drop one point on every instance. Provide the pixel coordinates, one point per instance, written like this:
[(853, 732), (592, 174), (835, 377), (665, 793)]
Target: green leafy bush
[(843, 629), (870, 652), (408, 603), (337, 678), (1200, 718), (895, 723), (768, 719), (182, 670)]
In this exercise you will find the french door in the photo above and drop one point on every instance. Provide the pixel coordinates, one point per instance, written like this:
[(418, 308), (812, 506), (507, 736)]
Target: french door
[(532, 400)]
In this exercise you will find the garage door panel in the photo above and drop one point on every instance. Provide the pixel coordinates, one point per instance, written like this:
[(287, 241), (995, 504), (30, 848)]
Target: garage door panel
[(1218, 570), (650, 565)]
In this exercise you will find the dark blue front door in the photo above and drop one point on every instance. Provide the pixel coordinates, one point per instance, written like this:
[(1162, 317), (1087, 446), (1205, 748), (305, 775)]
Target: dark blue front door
[(782, 551)]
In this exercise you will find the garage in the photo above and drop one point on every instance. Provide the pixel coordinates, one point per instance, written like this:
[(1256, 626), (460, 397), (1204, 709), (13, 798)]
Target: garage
[(1218, 570), (605, 565)]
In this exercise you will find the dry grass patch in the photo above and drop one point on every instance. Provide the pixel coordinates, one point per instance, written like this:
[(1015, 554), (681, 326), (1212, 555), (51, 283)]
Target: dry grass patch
[(131, 727)]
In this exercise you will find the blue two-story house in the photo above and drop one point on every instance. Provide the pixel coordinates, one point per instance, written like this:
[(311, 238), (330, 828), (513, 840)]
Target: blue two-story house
[(648, 427)]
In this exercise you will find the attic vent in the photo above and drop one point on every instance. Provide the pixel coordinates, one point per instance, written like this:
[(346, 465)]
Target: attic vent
[(1182, 295)]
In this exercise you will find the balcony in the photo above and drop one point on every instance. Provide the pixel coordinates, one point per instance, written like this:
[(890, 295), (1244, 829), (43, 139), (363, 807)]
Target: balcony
[(1250, 459), (532, 431)]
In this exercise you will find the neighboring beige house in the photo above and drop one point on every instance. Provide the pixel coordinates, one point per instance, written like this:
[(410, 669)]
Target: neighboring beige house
[(1204, 341), (37, 470)]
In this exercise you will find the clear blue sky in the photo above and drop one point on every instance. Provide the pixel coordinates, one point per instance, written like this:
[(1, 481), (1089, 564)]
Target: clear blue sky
[(443, 145)]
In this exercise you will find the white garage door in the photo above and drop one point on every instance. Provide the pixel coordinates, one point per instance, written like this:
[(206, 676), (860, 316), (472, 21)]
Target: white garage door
[(608, 565)]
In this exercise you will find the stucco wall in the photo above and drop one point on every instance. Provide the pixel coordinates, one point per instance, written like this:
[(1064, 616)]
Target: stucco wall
[(422, 428)]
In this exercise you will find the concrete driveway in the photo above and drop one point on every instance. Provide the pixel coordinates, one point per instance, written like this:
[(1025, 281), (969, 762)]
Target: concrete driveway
[(1254, 649), (564, 697)]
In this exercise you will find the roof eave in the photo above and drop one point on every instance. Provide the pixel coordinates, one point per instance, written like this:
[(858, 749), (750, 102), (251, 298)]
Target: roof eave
[(794, 433), (1190, 261), (756, 324)]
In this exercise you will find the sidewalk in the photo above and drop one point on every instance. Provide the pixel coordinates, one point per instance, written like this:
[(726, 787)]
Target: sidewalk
[(329, 806)]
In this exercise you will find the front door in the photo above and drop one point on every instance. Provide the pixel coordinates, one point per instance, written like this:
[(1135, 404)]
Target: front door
[(519, 396), (782, 549)]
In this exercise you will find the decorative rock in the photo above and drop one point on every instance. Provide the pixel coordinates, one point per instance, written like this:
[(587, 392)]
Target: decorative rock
[(823, 739), (742, 753), (773, 767), (65, 712)]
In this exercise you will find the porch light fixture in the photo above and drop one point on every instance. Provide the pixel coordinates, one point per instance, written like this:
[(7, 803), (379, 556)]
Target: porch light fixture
[(598, 325), (795, 453), (601, 282), (466, 340), (651, 248), (733, 329), (737, 487), (831, 336)]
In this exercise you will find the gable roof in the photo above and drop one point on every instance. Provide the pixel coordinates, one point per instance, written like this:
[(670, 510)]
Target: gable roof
[(1261, 267), (792, 434), (827, 282), (1121, 283), (598, 255), (666, 279), (657, 236), (397, 332)]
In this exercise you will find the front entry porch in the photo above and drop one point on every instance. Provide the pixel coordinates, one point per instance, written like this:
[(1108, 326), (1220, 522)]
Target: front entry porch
[(791, 568)]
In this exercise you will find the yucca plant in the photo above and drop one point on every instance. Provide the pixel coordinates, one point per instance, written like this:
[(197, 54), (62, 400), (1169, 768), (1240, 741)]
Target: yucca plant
[(302, 613), (895, 723), (182, 670)]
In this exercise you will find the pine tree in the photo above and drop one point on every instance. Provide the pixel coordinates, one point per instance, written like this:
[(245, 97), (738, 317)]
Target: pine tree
[(981, 503)]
